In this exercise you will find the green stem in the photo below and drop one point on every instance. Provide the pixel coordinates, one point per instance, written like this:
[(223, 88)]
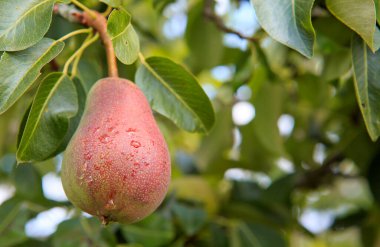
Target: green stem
[(142, 58), (69, 35), (84, 8), (108, 11), (81, 49), (74, 69)]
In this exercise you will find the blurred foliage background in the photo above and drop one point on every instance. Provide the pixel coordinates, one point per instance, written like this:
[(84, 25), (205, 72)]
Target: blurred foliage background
[(288, 162)]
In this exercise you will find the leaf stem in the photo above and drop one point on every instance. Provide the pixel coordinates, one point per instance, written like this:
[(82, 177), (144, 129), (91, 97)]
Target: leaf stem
[(107, 12), (69, 35), (84, 8), (74, 69), (81, 49), (142, 58)]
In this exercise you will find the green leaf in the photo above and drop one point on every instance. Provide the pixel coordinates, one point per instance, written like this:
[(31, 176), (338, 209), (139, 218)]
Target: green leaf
[(23, 22), (82, 232), (116, 3), (28, 182), (288, 22), (336, 64), (281, 189), (18, 70), (13, 218), (160, 5), (154, 231), (55, 103), (22, 125), (124, 38), (333, 35), (89, 72), (373, 176), (360, 16), (173, 92), (262, 143), (204, 40), (377, 5), (7, 162), (243, 234), (74, 121), (217, 142), (190, 218), (366, 80)]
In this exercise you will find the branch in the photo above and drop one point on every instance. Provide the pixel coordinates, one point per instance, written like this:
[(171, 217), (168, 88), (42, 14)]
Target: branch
[(313, 179), (209, 13), (99, 24)]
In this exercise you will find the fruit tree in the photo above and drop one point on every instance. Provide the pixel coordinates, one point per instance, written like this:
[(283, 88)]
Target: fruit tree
[(190, 123)]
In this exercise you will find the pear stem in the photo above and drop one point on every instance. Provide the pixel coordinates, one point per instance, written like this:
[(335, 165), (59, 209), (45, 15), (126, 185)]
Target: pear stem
[(100, 25)]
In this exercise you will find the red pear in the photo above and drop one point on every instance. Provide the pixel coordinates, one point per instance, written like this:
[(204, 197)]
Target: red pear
[(117, 165)]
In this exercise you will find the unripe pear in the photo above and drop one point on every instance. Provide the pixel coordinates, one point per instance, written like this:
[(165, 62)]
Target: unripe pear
[(117, 165)]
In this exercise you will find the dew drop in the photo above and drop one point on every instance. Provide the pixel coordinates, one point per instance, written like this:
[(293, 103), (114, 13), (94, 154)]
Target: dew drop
[(136, 164), (135, 144), (104, 139), (97, 167), (87, 155)]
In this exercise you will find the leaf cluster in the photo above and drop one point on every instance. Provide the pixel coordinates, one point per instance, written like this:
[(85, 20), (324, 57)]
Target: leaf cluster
[(309, 75)]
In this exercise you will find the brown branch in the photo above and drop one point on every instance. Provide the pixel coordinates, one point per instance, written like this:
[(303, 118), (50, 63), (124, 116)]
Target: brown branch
[(313, 179), (99, 24), (209, 13)]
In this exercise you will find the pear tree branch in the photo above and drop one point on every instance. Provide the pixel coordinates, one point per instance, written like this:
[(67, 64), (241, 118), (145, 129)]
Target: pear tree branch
[(98, 22), (208, 12)]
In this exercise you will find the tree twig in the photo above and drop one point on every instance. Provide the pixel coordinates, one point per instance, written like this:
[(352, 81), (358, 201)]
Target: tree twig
[(99, 24), (313, 179), (209, 13)]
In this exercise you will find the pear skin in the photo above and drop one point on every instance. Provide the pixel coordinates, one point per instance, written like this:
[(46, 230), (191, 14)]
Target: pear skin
[(117, 164)]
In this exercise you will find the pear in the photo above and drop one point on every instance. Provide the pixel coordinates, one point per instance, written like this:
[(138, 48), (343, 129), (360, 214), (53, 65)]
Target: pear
[(117, 164)]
